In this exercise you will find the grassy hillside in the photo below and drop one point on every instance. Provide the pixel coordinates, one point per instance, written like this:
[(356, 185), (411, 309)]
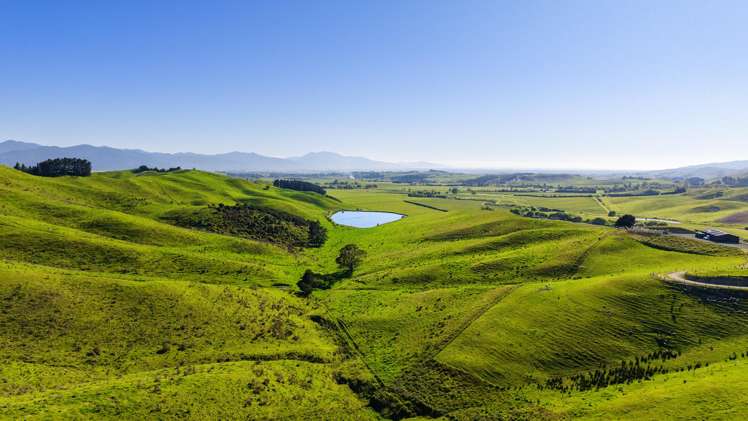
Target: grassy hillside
[(723, 208), (108, 310), (246, 390), (113, 309), (116, 222), (715, 392), (577, 297)]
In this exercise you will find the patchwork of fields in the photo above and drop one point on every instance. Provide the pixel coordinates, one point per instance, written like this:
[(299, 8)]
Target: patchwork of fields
[(465, 312)]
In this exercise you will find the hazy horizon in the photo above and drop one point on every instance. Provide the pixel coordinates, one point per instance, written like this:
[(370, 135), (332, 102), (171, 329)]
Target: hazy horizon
[(483, 85), (454, 165)]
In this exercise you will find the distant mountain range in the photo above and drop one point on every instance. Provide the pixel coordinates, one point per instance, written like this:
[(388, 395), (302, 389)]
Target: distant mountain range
[(705, 171), (104, 158)]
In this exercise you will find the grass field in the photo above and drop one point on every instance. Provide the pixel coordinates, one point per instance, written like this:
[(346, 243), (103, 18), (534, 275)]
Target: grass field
[(459, 310), (723, 208)]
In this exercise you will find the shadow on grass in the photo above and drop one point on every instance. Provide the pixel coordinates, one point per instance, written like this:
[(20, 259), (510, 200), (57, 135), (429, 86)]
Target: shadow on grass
[(311, 280)]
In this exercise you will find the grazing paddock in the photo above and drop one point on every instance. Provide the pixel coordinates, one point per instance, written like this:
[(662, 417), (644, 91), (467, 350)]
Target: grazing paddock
[(110, 309)]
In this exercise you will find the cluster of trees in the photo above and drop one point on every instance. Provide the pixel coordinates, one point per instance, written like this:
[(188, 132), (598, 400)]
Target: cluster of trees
[(369, 175), (626, 221), (426, 193), (646, 184), (578, 190), (527, 179), (58, 167), (488, 180), (735, 181), (350, 185), (254, 222), (144, 168), (626, 373), (546, 213), (557, 215), (349, 258), (677, 190), (411, 178), (299, 186), (648, 192)]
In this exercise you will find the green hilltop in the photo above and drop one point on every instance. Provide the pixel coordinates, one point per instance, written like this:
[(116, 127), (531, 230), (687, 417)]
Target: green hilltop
[(172, 295)]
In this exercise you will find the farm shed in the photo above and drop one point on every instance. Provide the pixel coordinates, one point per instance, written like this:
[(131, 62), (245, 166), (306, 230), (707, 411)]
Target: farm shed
[(718, 236)]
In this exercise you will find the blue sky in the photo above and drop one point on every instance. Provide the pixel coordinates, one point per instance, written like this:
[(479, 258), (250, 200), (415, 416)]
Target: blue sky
[(556, 84)]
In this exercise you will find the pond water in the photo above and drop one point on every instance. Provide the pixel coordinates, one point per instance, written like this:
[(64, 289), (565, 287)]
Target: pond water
[(361, 219)]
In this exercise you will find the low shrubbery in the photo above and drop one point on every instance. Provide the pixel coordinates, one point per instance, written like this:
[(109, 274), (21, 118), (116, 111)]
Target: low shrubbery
[(628, 372), (254, 222)]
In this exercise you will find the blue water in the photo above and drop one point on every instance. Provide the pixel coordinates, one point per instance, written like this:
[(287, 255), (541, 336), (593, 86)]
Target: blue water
[(361, 219)]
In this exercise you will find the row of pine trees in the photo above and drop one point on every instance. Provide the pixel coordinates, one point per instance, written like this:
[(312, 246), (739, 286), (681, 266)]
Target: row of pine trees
[(58, 167)]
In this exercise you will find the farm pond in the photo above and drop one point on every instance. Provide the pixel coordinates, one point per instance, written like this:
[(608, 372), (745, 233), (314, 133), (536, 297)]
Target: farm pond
[(364, 219)]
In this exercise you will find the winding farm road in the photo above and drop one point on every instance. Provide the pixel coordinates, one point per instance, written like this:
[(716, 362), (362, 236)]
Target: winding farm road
[(680, 278)]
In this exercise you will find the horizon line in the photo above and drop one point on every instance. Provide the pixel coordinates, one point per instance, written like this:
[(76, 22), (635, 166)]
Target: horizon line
[(457, 165)]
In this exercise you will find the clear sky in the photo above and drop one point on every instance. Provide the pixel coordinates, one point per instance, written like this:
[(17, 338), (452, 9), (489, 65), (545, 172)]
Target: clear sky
[(558, 84)]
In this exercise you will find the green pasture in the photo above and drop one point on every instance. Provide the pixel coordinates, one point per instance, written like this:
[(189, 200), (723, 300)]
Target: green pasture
[(109, 311)]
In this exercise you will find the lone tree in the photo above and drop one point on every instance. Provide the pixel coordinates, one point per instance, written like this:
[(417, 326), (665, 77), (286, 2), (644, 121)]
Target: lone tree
[(317, 234), (350, 257), (626, 221)]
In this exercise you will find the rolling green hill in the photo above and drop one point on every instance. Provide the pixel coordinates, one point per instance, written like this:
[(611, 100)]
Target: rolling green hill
[(119, 300)]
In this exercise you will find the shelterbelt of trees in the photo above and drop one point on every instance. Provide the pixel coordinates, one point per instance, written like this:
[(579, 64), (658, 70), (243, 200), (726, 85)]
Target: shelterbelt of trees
[(299, 186), (58, 167)]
